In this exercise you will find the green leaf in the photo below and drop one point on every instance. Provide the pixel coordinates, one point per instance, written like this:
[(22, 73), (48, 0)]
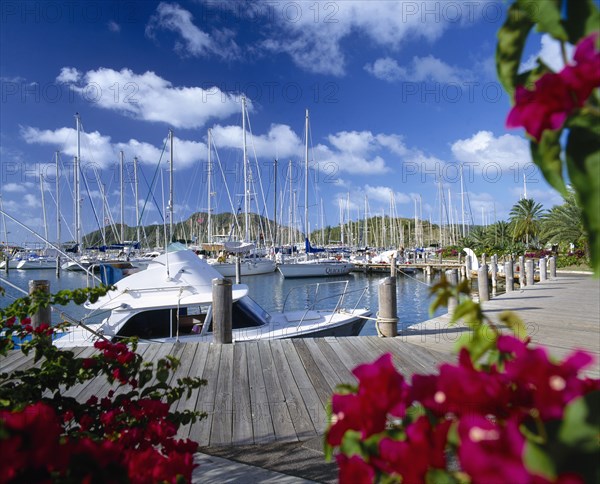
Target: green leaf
[(537, 461), (546, 155), (351, 443), (583, 164), (581, 423), (583, 18), (511, 41), (546, 14), (439, 476), (514, 323)]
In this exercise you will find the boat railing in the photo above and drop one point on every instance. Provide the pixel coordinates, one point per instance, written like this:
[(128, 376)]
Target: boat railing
[(318, 298)]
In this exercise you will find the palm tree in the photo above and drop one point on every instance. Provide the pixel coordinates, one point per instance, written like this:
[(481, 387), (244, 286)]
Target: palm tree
[(498, 234), (564, 223), (525, 219)]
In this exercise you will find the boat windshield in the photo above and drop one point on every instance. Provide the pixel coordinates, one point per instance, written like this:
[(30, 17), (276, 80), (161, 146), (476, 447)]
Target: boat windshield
[(176, 247)]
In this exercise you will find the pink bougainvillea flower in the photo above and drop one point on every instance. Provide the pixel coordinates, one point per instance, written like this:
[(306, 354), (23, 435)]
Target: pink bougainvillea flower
[(462, 389), (382, 391), (354, 470), (555, 96), (491, 453), (541, 383), (411, 458)]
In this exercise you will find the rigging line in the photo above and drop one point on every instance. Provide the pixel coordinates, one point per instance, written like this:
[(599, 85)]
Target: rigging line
[(226, 186), (150, 187), (87, 271)]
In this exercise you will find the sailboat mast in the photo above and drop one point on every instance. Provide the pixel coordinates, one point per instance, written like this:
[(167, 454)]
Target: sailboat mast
[(58, 234), (77, 187), (209, 234), (306, 177), (137, 206), (462, 201), (44, 208), (246, 189), (275, 202), (122, 156), (171, 207)]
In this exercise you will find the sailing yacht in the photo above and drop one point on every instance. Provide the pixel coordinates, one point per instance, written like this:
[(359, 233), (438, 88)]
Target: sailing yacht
[(318, 267)]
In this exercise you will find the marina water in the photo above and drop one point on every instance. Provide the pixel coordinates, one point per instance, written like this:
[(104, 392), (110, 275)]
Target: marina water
[(271, 291)]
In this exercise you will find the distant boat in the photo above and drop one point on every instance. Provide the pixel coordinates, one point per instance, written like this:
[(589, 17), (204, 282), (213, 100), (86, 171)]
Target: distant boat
[(313, 267), (33, 263), (171, 301)]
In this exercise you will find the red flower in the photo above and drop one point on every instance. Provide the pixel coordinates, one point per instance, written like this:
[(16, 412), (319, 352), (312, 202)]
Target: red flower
[(411, 458), (556, 95), (491, 453), (354, 470)]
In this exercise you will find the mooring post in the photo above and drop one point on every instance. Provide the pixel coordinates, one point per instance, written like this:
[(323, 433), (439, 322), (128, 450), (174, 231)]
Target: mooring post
[(522, 271), (6, 260), (393, 267), (509, 274), (58, 266), (529, 271), (483, 283), (494, 271), (552, 264), (222, 310), (468, 267), (42, 315), (441, 257), (387, 317), (238, 269), (543, 270), (452, 277)]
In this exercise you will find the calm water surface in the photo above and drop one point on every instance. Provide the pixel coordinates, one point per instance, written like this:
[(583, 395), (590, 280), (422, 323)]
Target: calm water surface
[(271, 291)]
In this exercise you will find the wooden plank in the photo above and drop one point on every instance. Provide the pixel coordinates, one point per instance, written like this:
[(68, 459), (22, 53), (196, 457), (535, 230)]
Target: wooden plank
[(296, 407), (312, 402), (341, 361), (221, 429), (319, 381), (195, 370), (280, 415), (262, 423), (242, 407), (10, 361), (200, 431)]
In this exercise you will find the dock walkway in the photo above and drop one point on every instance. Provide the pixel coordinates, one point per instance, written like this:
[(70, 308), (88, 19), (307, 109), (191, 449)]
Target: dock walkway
[(266, 400)]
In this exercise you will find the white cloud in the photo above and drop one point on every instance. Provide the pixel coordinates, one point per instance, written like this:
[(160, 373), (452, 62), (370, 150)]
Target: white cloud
[(17, 187), (484, 151), (549, 53), (195, 42), (31, 201), (149, 97), (114, 26), (421, 69), (68, 75), (99, 151), (383, 194)]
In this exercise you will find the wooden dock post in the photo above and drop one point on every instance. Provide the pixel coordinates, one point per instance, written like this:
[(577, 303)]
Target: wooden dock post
[(222, 310), (483, 283), (509, 276), (522, 271), (529, 271), (42, 315), (393, 267), (58, 266), (387, 317), (452, 277), (543, 270), (552, 264)]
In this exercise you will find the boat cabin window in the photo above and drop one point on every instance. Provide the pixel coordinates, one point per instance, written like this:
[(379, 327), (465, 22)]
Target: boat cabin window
[(155, 323)]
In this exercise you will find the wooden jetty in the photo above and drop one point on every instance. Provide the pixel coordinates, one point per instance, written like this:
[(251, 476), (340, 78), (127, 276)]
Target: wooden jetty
[(276, 391)]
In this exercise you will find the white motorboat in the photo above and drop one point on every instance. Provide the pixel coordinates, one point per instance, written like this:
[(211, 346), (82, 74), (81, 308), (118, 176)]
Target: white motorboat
[(32, 263), (172, 301)]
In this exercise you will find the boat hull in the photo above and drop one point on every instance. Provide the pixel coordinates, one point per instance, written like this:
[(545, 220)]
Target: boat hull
[(324, 269), (247, 268)]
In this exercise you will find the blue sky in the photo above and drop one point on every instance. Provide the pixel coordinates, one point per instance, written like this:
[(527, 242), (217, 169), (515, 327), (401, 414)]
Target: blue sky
[(399, 95)]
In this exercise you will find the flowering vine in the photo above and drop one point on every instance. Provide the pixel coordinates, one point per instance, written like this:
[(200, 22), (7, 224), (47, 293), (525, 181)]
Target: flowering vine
[(505, 412), (560, 111), (129, 435)]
